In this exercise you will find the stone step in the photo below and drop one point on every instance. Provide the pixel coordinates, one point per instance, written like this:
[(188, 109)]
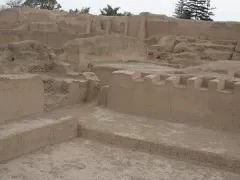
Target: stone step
[(31, 133), (205, 146)]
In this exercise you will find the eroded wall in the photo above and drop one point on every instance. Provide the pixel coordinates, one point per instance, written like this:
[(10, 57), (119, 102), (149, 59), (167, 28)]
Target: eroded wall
[(189, 50), (83, 51), (56, 28), (206, 30), (52, 39), (20, 95), (207, 101)]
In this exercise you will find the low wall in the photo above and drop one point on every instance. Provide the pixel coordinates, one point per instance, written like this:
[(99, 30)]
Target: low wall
[(198, 100), (20, 95), (29, 135)]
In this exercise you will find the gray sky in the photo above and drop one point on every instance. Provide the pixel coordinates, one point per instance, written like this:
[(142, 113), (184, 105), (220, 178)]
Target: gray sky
[(227, 10)]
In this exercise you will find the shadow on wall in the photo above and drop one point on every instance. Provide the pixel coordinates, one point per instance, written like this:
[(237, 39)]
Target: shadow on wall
[(80, 52)]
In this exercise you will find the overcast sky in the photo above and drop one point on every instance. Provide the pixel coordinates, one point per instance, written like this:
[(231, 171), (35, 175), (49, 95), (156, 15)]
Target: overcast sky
[(227, 10)]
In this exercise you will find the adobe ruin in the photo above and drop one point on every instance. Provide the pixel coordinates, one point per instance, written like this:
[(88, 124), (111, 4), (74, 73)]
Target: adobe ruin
[(137, 97)]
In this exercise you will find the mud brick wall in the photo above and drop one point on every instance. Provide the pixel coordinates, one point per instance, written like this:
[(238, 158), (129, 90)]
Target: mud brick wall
[(208, 101), (20, 95)]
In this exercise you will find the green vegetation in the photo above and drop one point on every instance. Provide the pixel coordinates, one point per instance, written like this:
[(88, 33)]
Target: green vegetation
[(84, 10), (110, 11), (194, 9)]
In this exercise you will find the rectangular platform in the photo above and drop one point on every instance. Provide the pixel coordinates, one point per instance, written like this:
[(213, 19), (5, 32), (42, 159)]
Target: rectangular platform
[(29, 134), (187, 142)]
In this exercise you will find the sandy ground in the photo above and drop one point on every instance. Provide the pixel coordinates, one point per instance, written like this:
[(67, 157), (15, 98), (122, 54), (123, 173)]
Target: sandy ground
[(210, 68), (87, 160), (146, 67)]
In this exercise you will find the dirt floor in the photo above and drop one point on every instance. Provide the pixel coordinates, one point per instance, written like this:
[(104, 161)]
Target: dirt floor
[(141, 66), (87, 160), (92, 158)]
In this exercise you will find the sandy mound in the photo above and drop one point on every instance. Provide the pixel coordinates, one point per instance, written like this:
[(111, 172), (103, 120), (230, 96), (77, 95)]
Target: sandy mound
[(191, 51), (26, 57)]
